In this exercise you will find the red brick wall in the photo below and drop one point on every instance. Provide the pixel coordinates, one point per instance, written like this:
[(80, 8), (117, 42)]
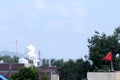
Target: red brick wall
[(16, 66), (4, 67), (7, 69)]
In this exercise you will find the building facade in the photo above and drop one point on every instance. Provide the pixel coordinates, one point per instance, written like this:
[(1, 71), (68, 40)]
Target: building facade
[(7, 69)]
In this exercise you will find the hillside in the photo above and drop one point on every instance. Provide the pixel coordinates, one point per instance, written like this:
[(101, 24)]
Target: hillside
[(10, 53)]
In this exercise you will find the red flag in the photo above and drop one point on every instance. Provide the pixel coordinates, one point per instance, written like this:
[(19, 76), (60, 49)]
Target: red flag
[(108, 57)]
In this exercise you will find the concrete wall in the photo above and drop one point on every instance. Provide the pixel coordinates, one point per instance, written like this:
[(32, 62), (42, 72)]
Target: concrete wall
[(103, 75), (54, 77)]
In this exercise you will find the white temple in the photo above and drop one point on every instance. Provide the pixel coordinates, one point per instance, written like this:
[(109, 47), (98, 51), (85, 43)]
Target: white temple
[(31, 55), (23, 60)]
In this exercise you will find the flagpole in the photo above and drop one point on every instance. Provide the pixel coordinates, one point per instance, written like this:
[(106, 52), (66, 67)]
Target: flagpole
[(112, 69), (108, 57)]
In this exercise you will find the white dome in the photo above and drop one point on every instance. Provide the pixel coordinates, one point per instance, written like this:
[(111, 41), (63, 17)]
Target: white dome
[(30, 47), (31, 54), (23, 60)]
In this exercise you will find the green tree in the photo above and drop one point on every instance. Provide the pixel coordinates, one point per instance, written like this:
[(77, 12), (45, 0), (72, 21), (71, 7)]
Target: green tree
[(45, 63), (74, 69), (52, 62), (24, 73), (9, 59), (100, 45), (56, 63), (29, 60), (45, 77), (15, 59), (71, 69)]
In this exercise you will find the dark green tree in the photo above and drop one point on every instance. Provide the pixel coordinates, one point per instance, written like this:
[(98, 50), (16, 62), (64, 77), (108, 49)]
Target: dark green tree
[(71, 69), (52, 62), (74, 69), (9, 59), (45, 63), (100, 45), (45, 77), (57, 63), (30, 73)]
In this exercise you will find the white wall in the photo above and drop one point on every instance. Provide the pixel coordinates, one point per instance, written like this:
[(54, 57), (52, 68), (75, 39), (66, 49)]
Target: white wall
[(54, 77), (103, 75)]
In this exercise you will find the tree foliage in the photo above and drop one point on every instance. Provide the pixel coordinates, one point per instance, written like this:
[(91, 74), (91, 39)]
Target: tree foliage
[(100, 45), (9, 59), (30, 73), (45, 63), (72, 69), (45, 77)]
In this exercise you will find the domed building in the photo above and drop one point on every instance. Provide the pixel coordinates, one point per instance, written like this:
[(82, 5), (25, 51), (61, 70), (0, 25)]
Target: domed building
[(31, 54), (7, 69)]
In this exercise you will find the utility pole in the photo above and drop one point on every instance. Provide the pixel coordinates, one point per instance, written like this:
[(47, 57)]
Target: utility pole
[(16, 42), (16, 54), (39, 59)]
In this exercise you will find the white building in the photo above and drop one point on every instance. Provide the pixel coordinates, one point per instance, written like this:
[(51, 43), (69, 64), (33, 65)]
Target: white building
[(31, 55)]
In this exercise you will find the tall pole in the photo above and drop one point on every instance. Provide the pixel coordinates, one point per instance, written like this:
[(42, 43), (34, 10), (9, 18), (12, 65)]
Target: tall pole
[(112, 68), (39, 58), (16, 47), (16, 43)]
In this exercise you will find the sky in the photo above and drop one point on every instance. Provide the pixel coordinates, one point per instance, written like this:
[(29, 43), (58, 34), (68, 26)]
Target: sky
[(58, 28)]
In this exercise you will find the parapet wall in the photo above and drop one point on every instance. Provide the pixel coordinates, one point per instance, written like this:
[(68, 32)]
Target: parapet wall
[(8, 69), (103, 75)]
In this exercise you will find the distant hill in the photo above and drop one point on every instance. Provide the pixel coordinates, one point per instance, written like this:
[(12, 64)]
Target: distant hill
[(10, 53)]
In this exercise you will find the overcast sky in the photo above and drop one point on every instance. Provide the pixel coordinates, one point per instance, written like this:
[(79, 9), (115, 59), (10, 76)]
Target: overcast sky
[(58, 28)]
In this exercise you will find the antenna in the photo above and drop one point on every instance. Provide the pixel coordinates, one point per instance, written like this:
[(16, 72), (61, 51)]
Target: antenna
[(16, 42), (39, 59)]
